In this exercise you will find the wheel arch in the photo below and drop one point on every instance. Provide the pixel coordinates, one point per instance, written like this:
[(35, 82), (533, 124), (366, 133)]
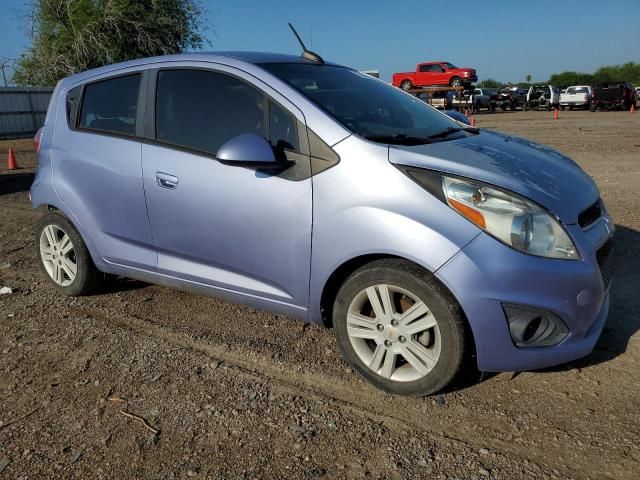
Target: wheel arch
[(59, 209), (343, 271)]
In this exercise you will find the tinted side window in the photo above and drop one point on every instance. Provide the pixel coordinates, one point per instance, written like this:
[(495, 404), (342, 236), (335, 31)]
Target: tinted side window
[(201, 110), (110, 105)]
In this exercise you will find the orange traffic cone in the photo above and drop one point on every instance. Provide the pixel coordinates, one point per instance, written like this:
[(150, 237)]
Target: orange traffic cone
[(11, 160), (472, 121), (555, 114), (633, 108)]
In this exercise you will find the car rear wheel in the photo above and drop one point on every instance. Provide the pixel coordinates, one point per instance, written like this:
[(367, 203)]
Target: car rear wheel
[(406, 85), (64, 257), (399, 328)]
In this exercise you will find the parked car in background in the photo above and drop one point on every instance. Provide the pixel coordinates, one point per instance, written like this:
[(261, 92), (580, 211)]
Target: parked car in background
[(435, 73), (542, 96), (435, 244), (578, 96), (637, 96), (612, 96), (511, 98), (438, 99), (472, 99), (485, 98)]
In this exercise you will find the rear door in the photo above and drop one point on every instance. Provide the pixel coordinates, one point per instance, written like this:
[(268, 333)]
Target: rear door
[(230, 227), (97, 166)]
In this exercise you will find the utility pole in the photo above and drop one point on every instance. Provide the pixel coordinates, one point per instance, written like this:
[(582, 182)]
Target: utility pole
[(4, 64)]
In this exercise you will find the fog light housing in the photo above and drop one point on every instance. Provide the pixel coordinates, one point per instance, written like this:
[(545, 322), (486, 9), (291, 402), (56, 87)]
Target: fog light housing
[(534, 327)]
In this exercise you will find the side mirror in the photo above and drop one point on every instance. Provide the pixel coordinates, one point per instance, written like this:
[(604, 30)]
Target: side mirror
[(248, 150)]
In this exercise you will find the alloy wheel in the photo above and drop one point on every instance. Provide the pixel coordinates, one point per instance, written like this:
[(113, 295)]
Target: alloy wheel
[(393, 333), (58, 255)]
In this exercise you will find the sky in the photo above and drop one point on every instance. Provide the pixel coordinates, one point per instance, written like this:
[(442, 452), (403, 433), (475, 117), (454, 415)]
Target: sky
[(505, 40)]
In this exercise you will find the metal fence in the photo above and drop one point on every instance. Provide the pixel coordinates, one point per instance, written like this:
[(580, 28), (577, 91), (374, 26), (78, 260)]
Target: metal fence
[(22, 110)]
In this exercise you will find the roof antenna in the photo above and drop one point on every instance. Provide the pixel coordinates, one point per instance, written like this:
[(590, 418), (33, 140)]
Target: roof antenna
[(308, 54)]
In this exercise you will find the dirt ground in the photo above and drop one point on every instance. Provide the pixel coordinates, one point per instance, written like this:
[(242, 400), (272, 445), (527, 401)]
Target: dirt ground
[(236, 393)]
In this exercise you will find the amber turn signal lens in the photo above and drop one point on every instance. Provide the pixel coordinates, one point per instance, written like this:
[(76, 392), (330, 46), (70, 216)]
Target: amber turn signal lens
[(473, 215)]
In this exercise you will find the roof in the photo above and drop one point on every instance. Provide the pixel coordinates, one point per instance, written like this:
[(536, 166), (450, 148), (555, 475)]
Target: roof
[(232, 58), (264, 57)]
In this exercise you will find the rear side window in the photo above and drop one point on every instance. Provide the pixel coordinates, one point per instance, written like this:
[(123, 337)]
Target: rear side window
[(111, 105), (201, 110)]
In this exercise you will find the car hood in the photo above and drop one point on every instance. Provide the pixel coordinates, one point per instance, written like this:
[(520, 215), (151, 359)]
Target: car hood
[(535, 171)]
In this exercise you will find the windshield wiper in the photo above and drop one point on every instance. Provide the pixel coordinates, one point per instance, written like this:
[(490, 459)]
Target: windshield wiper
[(398, 139), (448, 131)]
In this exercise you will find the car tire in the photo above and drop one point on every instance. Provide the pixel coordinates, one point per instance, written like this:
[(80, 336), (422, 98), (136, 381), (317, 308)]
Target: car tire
[(406, 85), (63, 256), (435, 342), (455, 82)]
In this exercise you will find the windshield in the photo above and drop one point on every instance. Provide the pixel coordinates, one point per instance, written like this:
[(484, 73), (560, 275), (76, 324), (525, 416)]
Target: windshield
[(449, 65), (362, 104)]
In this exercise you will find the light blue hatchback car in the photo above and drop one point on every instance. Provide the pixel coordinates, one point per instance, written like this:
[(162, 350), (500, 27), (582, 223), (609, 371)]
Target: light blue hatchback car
[(309, 189)]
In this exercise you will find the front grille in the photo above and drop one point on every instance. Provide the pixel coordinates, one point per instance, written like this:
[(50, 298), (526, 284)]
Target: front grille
[(591, 214), (604, 256)]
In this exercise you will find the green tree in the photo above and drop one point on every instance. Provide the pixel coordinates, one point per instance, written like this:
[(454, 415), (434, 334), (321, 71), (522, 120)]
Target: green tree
[(629, 72), (489, 83), (566, 79), (69, 36), (529, 78)]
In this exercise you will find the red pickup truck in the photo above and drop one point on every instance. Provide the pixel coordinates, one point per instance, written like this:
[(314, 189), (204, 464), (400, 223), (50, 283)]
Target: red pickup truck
[(435, 73)]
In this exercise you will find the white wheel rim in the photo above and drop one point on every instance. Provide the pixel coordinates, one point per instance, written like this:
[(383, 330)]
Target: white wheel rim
[(58, 255), (393, 333)]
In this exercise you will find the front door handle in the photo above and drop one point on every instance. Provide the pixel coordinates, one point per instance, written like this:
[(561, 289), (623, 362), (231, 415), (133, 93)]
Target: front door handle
[(166, 181)]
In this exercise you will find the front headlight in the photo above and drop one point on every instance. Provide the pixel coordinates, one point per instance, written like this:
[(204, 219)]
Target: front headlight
[(513, 220)]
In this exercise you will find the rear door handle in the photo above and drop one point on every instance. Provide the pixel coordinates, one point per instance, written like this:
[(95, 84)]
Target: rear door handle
[(166, 181)]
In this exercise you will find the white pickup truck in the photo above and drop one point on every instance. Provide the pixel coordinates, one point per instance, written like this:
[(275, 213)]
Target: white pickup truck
[(578, 96)]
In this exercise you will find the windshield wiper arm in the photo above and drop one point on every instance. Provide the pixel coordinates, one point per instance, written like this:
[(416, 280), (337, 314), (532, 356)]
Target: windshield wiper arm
[(398, 139), (448, 131)]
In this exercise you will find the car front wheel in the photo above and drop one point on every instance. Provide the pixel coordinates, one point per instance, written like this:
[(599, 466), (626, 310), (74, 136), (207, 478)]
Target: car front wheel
[(399, 328)]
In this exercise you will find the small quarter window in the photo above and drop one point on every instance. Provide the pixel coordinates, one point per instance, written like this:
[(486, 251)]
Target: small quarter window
[(282, 128), (73, 97), (110, 105)]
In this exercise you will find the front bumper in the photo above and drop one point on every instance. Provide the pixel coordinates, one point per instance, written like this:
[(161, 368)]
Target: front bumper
[(487, 274)]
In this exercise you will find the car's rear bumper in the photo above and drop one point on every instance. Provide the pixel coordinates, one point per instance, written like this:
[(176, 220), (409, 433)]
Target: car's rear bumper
[(580, 103), (486, 275)]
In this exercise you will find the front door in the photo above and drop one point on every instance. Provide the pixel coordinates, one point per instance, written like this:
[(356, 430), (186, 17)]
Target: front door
[(230, 227)]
